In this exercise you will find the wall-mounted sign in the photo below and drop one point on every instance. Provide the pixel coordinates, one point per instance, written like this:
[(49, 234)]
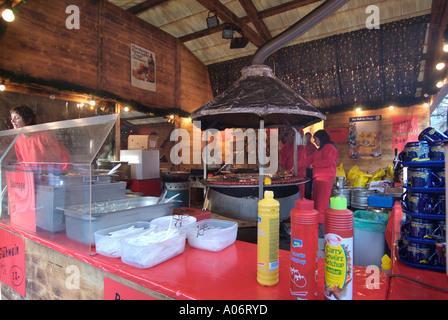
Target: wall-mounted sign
[(405, 124), (365, 137), (12, 261), (337, 135)]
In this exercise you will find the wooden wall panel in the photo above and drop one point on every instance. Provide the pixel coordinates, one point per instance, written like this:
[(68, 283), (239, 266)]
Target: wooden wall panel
[(97, 56), (194, 87), (38, 43)]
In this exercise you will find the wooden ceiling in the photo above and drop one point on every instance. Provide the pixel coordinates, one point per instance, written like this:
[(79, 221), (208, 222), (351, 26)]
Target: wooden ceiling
[(258, 20)]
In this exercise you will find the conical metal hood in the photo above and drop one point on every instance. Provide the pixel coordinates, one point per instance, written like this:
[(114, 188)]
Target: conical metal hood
[(258, 94)]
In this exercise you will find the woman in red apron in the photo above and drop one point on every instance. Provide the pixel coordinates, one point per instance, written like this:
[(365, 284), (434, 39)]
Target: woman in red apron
[(323, 161)]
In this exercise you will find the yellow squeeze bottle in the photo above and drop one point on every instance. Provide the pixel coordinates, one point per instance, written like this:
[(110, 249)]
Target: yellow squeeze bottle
[(268, 240)]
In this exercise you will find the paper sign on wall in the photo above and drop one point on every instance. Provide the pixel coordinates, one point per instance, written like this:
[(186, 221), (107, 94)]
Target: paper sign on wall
[(21, 199), (337, 135), (12, 261), (143, 68), (404, 124), (399, 141)]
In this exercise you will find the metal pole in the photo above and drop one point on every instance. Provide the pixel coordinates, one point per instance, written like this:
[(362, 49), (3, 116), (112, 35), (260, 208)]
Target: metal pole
[(261, 159)]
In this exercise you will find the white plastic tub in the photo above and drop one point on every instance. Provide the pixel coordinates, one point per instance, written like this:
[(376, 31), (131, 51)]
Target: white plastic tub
[(212, 234), (152, 247), (368, 247), (108, 241), (175, 221)]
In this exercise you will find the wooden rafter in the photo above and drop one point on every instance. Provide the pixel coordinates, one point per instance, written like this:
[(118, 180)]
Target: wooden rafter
[(228, 16), (259, 24)]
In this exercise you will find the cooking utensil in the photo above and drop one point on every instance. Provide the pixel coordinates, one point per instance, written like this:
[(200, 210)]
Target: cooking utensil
[(169, 199), (162, 196), (114, 169)]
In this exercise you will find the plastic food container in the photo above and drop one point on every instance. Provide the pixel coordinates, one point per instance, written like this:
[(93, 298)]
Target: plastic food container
[(108, 241), (176, 221), (152, 247), (212, 235)]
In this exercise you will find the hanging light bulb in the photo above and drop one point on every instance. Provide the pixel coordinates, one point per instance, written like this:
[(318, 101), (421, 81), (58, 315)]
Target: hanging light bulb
[(7, 13), (2, 86), (440, 66), (92, 102)]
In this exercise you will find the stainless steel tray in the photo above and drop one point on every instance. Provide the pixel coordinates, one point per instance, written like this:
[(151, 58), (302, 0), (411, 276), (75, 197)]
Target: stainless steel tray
[(64, 179), (50, 198), (81, 226)]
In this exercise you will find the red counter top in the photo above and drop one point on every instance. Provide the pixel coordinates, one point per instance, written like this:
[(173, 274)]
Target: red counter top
[(196, 274)]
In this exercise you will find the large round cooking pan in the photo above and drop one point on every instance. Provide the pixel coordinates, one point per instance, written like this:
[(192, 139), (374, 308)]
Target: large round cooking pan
[(171, 176)]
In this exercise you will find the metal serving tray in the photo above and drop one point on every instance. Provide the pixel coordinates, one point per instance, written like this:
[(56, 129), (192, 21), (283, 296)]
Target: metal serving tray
[(81, 226), (66, 179), (50, 199)]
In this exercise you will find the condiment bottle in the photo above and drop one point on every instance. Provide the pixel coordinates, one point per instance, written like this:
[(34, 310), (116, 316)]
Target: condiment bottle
[(268, 240), (304, 235), (338, 250)]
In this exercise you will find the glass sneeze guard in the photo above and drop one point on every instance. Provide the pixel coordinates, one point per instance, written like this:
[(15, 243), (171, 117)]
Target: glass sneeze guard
[(46, 169)]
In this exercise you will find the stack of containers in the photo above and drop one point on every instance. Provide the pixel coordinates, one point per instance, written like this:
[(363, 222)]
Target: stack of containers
[(423, 233)]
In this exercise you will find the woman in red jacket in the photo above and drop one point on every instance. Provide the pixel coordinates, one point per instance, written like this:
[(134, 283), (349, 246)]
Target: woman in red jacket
[(39, 149), (323, 162)]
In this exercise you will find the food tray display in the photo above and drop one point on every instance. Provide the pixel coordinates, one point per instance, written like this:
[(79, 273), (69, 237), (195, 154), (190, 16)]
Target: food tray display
[(81, 226), (212, 234)]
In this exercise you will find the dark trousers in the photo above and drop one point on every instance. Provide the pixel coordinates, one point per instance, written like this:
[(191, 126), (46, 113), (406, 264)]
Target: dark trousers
[(309, 184)]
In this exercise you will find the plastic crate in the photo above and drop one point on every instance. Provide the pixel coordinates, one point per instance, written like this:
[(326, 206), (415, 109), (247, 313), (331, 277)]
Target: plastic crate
[(380, 201)]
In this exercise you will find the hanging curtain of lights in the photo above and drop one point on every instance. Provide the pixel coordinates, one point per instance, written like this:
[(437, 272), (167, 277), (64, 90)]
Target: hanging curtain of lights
[(370, 67)]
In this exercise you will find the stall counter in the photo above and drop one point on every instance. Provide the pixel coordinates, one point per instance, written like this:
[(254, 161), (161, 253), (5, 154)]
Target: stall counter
[(195, 274)]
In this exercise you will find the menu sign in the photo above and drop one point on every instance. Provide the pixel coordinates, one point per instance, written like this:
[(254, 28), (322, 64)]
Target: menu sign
[(12, 261)]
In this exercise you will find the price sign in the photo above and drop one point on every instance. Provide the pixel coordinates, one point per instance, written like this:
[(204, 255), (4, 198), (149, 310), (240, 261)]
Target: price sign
[(12, 261)]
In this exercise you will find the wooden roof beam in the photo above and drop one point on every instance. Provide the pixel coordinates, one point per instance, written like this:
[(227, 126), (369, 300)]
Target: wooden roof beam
[(259, 24), (228, 16), (262, 14)]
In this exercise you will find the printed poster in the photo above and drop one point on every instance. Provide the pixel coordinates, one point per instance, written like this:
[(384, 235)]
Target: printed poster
[(21, 199), (365, 137), (12, 261), (143, 68)]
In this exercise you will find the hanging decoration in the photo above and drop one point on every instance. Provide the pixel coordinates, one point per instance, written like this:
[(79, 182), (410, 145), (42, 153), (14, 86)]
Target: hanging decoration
[(370, 67)]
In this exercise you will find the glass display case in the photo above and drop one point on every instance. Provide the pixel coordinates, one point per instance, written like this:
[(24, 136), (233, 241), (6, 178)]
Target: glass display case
[(48, 183)]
